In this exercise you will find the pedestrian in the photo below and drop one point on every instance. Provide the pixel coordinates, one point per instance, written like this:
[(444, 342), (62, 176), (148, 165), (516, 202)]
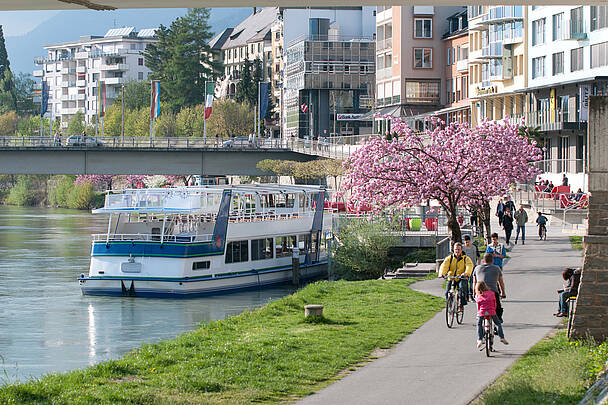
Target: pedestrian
[(521, 217), (507, 225), (510, 204), (500, 210), (217, 140), (564, 180), (491, 274), (497, 249), (473, 252)]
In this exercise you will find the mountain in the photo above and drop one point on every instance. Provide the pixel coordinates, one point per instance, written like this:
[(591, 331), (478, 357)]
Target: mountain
[(70, 25)]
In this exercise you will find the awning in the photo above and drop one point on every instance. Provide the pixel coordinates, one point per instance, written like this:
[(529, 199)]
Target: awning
[(554, 85), (393, 111)]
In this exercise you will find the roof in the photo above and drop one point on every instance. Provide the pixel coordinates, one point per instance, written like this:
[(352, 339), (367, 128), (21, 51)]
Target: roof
[(219, 40), (119, 32), (253, 28), (147, 33)]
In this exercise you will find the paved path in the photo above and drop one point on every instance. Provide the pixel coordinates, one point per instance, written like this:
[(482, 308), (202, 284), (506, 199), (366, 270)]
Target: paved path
[(437, 365)]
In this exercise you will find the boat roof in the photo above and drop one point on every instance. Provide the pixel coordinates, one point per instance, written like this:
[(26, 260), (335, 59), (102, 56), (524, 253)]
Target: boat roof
[(183, 206)]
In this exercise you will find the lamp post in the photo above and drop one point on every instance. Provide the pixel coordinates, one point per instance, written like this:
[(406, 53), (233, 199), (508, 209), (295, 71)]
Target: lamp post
[(122, 117)]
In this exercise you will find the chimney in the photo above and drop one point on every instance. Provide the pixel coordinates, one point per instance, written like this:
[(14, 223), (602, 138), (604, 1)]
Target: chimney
[(254, 10)]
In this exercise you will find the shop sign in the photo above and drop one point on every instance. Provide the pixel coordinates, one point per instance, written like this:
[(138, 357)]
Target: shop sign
[(348, 117)]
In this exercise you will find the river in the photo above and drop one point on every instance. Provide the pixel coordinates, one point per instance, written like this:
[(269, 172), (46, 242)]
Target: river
[(47, 325)]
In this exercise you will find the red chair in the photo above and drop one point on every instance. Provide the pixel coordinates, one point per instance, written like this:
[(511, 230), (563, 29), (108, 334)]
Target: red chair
[(557, 190), (430, 224), (565, 202), (584, 201)]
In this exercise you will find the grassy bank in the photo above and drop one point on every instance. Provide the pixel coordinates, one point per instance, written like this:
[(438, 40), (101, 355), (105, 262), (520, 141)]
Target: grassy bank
[(576, 242), (268, 355), (555, 371)]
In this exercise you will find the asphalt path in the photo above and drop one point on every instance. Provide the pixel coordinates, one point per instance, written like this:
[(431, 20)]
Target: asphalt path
[(437, 365)]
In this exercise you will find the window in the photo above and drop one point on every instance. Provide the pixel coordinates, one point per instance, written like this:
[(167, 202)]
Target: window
[(538, 32), (201, 265), (423, 92), (261, 249), (140, 61), (538, 67), (599, 17), (576, 22), (558, 22), (423, 58), (237, 251), (140, 75), (599, 55), (285, 245), (576, 59), (558, 63), (423, 28), (450, 56)]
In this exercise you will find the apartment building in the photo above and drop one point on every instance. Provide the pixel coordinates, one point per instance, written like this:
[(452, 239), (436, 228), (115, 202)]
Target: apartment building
[(72, 70), (410, 61), (497, 61), (456, 40), (568, 62)]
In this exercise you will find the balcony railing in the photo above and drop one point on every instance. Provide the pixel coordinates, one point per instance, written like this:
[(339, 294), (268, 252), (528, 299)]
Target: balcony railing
[(462, 65), (550, 120), (577, 30), (384, 44), (385, 73)]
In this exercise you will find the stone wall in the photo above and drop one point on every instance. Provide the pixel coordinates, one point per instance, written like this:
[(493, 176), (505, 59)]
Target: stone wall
[(591, 311)]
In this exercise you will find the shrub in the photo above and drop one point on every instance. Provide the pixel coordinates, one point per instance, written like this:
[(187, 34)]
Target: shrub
[(82, 196), (59, 193), (23, 193)]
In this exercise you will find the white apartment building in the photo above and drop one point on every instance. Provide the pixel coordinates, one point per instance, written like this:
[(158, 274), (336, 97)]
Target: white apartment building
[(567, 62), (72, 70)]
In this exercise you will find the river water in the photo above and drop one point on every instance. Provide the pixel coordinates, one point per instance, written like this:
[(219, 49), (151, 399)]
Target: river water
[(46, 325)]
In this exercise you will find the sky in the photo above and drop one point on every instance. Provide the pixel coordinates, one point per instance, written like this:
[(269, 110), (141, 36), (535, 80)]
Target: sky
[(17, 23)]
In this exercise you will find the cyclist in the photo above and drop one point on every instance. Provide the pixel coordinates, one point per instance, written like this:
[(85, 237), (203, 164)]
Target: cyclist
[(458, 264), (542, 223), (486, 305), (491, 274)]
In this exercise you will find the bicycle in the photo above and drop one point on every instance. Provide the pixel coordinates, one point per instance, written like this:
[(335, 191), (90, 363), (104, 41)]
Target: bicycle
[(453, 303), (542, 232), (488, 333)]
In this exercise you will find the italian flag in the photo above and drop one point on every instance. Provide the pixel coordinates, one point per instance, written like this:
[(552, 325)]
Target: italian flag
[(209, 90)]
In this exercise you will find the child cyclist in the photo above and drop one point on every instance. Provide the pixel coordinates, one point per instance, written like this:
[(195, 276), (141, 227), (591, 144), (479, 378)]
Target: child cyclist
[(486, 303)]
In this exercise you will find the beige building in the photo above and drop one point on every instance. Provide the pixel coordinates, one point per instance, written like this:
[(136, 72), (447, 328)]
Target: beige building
[(497, 61), (410, 61)]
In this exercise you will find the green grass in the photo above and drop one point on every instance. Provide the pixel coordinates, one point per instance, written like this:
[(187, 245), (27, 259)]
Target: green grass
[(576, 242), (268, 355), (555, 371)]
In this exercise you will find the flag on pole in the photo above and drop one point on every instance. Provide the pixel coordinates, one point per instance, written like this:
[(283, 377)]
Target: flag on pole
[(44, 99), (209, 90), (264, 88), (101, 98), (155, 99)]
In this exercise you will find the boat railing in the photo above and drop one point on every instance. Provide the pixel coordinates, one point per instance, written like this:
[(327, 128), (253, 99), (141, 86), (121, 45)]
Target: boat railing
[(250, 216), (184, 238)]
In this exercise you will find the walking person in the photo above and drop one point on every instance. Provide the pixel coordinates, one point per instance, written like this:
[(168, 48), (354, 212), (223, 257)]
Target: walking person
[(507, 225), (521, 217), (510, 204), (497, 250), (473, 252), (500, 210)]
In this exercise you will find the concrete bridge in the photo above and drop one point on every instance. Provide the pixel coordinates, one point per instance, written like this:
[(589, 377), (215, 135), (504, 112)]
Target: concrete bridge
[(131, 155)]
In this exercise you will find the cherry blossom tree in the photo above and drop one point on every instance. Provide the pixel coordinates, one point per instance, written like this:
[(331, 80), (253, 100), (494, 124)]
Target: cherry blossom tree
[(135, 180), (453, 164), (99, 181)]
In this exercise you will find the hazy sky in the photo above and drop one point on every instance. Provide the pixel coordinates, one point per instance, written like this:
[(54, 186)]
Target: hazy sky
[(15, 23)]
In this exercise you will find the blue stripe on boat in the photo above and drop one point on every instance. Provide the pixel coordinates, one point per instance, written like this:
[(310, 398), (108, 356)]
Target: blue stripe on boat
[(154, 249)]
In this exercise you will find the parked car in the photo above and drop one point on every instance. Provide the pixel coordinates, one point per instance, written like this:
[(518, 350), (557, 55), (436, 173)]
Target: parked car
[(83, 140), (237, 142)]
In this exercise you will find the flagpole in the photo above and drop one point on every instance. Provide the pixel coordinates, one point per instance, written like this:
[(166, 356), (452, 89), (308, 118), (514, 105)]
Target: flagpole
[(151, 106), (259, 111), (205, 114), (97, 108), (42, 101)]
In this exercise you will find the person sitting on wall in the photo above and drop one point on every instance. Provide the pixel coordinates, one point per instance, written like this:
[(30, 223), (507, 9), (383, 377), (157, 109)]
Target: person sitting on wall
[(572, 278)]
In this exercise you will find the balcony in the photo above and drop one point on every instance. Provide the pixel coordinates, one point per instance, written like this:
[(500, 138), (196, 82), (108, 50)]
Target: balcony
[(117, 66), (383, 44), (462, 65), (551, 120), (81, 83), (113, 80), (72, 97), (81, 55), (38, 73), (382, 74), (81, 69), (65, 84), (576, 30), (503, 14), (71, 110), (493, 51), (68, 71)]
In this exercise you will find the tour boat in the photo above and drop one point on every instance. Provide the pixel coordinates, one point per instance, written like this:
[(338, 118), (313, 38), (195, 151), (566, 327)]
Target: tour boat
[(188, 241)]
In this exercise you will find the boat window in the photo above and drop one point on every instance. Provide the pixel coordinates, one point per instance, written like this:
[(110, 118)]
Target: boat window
[(155, 233), (237, 251), (201, 265), (261, 249), (285, 245), (289, 200), (304, 243)]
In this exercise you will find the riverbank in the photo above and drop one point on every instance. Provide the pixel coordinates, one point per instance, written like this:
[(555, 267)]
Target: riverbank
[(267, 355)]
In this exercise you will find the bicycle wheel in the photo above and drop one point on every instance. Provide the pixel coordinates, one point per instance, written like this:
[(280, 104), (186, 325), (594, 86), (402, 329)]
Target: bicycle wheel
[(449, 310), (487, 335), (459, 315)]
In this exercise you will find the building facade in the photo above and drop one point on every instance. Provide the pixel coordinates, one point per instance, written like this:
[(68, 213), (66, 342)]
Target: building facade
[(456, 40), (410, 61), (72, 70)]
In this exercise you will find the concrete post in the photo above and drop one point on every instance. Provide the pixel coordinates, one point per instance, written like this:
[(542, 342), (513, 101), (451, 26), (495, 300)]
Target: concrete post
[(591, 311)]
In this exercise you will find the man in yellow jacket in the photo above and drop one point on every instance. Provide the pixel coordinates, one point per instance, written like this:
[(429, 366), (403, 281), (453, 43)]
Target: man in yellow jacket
[(457, 264)]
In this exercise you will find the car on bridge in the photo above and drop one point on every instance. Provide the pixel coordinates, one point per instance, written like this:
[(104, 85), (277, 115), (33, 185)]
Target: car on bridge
[(83, 140)]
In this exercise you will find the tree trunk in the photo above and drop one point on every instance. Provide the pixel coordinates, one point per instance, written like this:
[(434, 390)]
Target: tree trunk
[(485, 219), (454, 227)]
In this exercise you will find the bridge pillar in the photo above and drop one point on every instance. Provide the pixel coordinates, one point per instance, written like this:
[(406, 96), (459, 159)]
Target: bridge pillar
[(591, 311)]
